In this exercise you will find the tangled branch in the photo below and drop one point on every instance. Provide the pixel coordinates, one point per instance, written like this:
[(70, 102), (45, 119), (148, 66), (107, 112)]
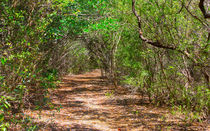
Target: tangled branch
[(148, 41)]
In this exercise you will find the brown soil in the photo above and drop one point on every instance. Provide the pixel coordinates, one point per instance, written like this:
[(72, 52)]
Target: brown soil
[(88, 103)]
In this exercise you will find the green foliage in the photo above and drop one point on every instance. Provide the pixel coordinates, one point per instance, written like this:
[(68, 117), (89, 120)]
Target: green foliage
[(38, 44), (158, 73), (4, 107), (21, 58), (43, 40), (109, 94)]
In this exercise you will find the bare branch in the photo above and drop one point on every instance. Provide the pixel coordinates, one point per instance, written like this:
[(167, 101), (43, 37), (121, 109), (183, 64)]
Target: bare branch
[(202, 8), (181, 7), (153, 43), (195, 16), (158, 43)]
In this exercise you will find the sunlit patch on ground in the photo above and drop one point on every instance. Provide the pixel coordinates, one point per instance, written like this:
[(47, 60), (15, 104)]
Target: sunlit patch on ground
[(88, 103)]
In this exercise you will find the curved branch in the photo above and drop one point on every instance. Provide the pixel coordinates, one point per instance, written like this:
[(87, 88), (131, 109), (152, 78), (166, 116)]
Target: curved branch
[(148, 41), (202, 8), (159, 44), (194, 16)]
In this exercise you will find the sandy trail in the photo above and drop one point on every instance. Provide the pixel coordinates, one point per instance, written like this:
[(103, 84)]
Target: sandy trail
[(87, 103)]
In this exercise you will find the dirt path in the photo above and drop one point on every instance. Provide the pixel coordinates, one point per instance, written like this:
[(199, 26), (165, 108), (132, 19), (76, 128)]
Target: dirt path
[(86, 103)]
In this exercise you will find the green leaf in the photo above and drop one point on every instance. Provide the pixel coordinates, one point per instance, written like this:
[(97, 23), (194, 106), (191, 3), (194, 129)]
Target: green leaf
[(7, 104), (4, 129), (3, 61), (1, 117)]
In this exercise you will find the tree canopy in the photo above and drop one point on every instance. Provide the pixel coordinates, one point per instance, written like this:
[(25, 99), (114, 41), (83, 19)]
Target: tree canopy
[(159, 48)]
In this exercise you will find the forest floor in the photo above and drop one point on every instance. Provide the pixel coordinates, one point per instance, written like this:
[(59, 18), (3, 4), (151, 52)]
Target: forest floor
[(88, 103)]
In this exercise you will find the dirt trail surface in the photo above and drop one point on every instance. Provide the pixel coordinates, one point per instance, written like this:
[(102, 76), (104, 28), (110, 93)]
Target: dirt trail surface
[(87, 103)]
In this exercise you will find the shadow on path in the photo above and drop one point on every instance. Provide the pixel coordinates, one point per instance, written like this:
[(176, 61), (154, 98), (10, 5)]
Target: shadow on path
[(88, 103)]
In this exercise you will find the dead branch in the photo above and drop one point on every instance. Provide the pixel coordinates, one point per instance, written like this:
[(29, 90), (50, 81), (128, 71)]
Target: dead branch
[(158, 43), (194, 16), (148, 41), (203, 10)]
